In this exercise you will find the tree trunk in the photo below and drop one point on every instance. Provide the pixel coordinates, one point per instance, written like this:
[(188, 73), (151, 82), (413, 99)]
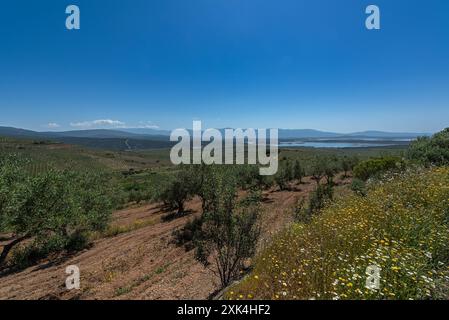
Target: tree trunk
[(7, 248), (180, 207)]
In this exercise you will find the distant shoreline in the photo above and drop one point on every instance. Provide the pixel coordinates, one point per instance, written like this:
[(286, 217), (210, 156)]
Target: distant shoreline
[(343, 143)]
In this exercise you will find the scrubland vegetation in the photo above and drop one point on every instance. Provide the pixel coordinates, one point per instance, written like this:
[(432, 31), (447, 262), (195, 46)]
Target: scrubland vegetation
[(400, 224), (384, 206)]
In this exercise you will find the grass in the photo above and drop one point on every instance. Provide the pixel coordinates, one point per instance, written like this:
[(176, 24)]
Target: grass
[(44, 156), (115, 230), (401, 226), (161, 269), (307, 156), (127, 289), (123, 290)]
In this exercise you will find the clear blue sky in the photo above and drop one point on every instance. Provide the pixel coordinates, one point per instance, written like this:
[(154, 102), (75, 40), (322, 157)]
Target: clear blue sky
[(230, 63)]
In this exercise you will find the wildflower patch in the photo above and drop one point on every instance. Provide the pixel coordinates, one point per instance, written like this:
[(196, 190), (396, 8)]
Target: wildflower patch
[(400, 229)]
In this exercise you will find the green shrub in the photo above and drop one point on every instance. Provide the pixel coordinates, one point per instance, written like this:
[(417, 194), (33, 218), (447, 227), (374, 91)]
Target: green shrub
[(25, 256), (77, 241), (358, 186), (298, 171), (52, 210), (331, 168), (319, 197), (284, 176), (431, 151), (254, 197), (316, 202), (300, 213), (348, 164), (318, 169), (374, 167), (179, 189), (188, 233)]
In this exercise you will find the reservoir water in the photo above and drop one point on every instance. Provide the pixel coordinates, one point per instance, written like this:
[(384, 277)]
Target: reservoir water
[(335, 144)]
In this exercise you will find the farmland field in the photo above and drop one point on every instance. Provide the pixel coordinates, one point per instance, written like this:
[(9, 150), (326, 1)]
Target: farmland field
[(136, 256)]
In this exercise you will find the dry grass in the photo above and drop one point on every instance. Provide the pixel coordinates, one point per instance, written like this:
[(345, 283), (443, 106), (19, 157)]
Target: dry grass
[(115, 230)]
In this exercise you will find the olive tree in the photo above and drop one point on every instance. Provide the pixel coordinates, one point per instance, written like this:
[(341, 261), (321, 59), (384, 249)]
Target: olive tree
[(298, 171), (179, 189), (229, 231), (348, 164), (55, 204), (284, 176), (331, 167), (318, 169)]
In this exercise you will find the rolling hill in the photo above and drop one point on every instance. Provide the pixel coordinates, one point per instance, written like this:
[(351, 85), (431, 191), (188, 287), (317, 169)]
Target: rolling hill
[(140, 138)]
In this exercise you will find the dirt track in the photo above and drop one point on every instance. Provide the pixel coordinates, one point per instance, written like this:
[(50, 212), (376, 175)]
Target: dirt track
[(140, 264)]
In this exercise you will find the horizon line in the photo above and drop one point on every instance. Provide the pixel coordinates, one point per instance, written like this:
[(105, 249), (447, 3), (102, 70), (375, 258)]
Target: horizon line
[(123, 129)]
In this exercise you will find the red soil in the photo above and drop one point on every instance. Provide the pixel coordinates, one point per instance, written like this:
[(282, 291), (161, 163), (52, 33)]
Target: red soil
[(140, 264)]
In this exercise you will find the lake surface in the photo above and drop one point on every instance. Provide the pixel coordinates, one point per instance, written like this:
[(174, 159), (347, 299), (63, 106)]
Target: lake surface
[(334, 144)]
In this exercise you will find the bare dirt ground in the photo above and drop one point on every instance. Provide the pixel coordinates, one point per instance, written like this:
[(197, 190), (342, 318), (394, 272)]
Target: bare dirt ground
[(143, 263)]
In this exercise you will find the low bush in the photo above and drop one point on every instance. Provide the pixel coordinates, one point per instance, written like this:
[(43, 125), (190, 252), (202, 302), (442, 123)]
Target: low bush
[(189, 233), (376, 166), (359, 187), (348, 164), (321, 196), (431, 151), (178, 190), (298, 171), (284, 175)]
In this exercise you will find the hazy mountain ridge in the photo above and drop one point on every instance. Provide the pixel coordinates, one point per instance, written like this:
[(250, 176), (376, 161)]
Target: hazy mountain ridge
[(96, 138), (156, 134), (383, 134)]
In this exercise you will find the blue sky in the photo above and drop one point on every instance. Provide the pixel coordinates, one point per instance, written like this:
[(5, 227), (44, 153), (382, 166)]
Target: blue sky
[(229, 63)]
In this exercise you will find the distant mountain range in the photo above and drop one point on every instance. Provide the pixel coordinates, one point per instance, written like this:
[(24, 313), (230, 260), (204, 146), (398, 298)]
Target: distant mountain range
[(309, 134), (141, 133), (94, 133), (139, 138), (97, 138)]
